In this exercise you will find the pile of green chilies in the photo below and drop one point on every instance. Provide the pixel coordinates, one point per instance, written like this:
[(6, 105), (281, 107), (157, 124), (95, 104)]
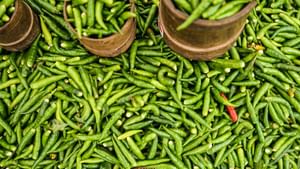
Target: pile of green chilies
[(146, 16), (6, 10), (98, 18), (61, 107), (208, 9)]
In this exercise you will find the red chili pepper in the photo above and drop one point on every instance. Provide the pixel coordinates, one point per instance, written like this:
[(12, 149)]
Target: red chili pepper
[(231, 110)]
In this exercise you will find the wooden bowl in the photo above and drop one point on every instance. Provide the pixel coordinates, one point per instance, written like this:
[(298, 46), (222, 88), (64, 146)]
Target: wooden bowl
[(22, 29), (110, 46), (203, 39)]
